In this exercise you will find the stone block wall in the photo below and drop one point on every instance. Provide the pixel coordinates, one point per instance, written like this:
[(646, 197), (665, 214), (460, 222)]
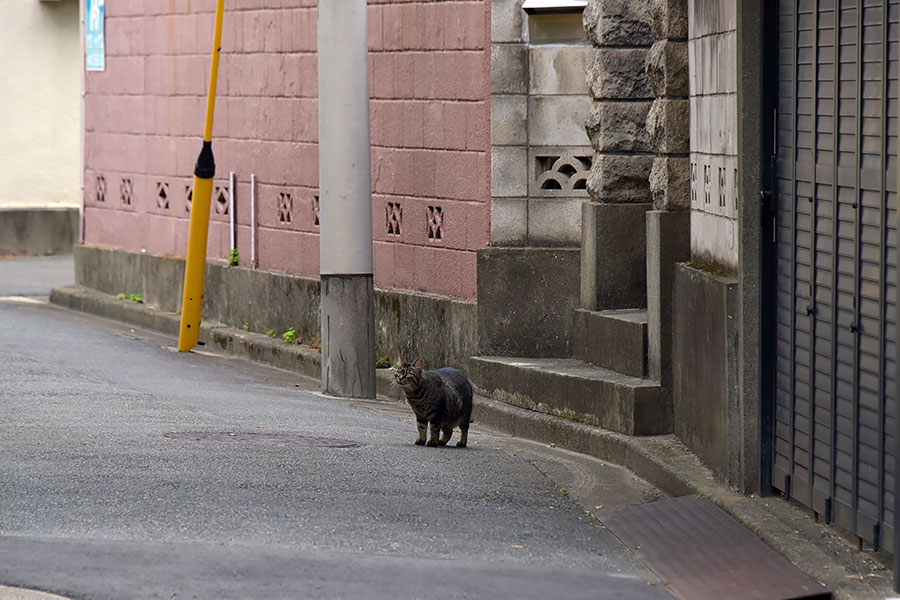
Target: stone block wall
[(712, 56), (540, 153), (668, 122), (622, 97), (430, 132)]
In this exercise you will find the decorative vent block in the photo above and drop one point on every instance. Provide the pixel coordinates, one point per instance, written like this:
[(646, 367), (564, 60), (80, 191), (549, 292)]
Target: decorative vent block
[(561, 175), (736, 191), (706, 178), (162, 195), (101, 188), (394, 218), (722, 187), (693, 183), (285, 207), (316, 210), (221, 196), (435, 223), (126, 188), (188, 197)]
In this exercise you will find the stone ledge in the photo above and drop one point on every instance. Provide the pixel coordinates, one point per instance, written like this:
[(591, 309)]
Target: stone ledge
[(613, 339), (576, 390), (441, 330), (38, 231)]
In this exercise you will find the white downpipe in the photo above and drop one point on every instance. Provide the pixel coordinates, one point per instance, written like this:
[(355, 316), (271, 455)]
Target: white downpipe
[(252, 220), (345, 188), (232, 237)]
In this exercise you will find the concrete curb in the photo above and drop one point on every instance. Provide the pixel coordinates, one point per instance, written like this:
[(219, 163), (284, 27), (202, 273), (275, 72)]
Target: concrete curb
[(661, 460), (14, 593)]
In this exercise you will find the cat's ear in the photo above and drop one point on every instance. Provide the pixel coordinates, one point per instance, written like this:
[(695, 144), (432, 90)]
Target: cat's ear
[(419, 364)]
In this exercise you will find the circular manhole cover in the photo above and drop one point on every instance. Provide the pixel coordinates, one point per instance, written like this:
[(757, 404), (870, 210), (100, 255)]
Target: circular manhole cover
[(262, 439)]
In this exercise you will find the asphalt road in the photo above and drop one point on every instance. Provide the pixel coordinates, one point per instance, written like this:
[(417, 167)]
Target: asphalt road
[(97, 502)]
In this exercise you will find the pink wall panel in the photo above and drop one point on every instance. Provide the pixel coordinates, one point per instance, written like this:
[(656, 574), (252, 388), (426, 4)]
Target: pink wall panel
[(430, 133)]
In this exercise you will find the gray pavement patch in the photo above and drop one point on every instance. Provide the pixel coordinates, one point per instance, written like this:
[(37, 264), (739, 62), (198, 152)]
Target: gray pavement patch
[(262, 439)]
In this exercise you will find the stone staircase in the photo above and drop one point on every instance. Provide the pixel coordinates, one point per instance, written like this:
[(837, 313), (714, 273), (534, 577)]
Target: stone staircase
[(604, 384)]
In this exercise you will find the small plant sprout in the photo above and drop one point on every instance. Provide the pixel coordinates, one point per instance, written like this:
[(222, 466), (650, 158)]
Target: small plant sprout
[(270, 333), (233, 257), (564, 491), (289, 336), (383, 363), (136, 298), (121, 296), (246, 326)]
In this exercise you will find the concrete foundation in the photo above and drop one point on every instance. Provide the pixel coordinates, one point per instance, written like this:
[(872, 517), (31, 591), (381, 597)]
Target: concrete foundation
[(440, 330), (527, 298), (668, 243), (348, 335), (38, 231), (613, 256), (705, 375)]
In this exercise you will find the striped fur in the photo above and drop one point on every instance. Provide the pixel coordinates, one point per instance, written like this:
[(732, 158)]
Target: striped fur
[(441, 400)]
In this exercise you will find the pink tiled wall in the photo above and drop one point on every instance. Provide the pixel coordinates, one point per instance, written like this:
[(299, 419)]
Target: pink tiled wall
[(430, 130)]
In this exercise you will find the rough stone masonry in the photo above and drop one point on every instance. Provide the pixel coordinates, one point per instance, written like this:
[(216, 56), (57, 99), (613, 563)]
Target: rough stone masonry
[(621, 35)]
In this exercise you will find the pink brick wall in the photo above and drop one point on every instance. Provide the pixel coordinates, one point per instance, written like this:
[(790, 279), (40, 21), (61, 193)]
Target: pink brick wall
[(430, 114)]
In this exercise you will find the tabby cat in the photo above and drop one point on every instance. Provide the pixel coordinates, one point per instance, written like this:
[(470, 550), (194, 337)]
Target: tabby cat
[(441, 398)]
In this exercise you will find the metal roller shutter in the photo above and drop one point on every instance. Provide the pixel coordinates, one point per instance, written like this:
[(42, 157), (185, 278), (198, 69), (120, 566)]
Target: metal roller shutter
[(835, 271)]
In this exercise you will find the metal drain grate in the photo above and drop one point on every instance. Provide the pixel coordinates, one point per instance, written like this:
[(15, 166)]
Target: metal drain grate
[(262, 439), (701, 553)]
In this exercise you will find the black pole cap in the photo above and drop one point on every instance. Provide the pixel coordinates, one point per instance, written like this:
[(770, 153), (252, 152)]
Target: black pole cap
[(205, 168)]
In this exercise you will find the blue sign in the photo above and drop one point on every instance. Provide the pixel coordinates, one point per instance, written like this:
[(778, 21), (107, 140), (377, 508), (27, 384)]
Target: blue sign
[(94, 51)]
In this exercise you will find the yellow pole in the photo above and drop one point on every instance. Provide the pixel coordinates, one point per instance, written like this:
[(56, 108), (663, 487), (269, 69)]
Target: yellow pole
[(204, 171)]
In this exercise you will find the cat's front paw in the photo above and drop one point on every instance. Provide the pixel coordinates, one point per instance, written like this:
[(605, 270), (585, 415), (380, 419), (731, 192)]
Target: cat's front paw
[(420, 442), (432, 443), (460, 444)]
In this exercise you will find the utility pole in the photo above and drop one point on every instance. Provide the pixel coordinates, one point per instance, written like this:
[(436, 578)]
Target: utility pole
[(345, 201)]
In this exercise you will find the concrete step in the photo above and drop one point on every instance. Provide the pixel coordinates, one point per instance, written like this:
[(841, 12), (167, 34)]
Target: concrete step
[(613, 339), (577, 390)]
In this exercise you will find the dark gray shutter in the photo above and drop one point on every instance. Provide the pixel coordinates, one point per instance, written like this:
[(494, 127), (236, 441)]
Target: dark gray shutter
[(835, 261)]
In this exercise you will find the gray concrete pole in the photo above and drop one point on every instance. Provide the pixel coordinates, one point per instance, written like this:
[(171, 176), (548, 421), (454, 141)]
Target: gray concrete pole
[(345, 201)]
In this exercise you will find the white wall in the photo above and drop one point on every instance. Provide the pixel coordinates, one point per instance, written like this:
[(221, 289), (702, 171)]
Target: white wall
[(712, 54), (40, 114)]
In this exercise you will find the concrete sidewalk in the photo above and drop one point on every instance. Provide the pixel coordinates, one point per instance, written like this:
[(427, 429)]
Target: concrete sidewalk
[(661, 460)]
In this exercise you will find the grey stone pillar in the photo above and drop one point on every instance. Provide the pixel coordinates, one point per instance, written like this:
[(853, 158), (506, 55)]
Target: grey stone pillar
[(669, 225), (668, 121), (613, 251), (668, 242), (613, 246), (620, 33)]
